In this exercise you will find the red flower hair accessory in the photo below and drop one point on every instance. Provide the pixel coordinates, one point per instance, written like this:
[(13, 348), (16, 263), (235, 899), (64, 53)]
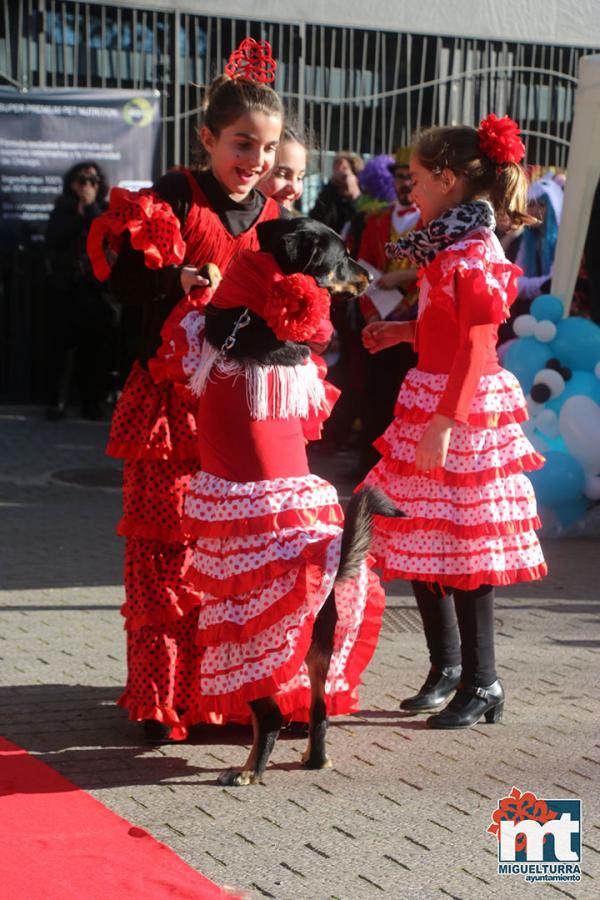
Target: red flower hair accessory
[(500, 139), (295, 307), (253, 61)]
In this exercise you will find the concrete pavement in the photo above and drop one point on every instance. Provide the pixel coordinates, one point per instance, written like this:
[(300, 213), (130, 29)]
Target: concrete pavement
[(404, 811)]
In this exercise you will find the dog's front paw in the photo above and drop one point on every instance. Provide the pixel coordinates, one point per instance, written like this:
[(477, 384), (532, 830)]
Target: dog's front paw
[(238, 777), (316, 759)]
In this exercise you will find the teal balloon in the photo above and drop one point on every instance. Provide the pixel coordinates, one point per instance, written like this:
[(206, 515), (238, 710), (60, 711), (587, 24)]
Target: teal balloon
[(547, 306), (525, 357), (556, 443), (570, 513), (560, 481), (577, 343), (543, 444), (579, 383)]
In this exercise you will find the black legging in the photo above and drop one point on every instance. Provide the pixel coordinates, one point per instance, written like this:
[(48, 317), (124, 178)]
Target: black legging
[(459, 628)]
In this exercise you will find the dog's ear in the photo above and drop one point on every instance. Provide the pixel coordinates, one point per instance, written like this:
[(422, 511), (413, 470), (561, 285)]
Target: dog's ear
[(304, 252), (295, 244), (271, 233)]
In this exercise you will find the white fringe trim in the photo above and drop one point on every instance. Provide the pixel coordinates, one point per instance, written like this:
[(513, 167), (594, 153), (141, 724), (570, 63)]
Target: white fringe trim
[(208, 356), (283, 392), (272, 392)]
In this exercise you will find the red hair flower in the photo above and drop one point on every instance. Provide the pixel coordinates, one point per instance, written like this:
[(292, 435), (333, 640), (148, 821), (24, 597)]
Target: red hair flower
[(500, 139), (253, 61), (295, 307)]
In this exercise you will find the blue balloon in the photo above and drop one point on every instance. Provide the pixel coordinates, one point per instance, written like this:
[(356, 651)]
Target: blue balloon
[(560, 481), (547, 306), (525, 357), (584, 383), (577, 343), (569, 513)]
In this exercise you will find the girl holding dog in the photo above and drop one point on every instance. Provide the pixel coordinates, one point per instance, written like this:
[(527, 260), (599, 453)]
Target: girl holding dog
[(455, 456), (154, 245)]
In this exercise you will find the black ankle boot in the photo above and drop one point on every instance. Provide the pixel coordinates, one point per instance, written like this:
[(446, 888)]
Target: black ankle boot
[(469, 704), (155, 732), (439, 686)]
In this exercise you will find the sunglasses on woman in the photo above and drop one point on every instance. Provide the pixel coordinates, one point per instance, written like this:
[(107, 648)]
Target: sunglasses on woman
[(87, 179)]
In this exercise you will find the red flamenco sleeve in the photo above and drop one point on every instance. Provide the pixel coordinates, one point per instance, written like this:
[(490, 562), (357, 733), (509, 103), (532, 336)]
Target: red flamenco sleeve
[(152, 225), (483, 298), (182, 337)]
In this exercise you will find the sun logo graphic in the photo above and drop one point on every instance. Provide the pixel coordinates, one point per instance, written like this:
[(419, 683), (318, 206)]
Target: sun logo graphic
[(138, 111), (539, 839)]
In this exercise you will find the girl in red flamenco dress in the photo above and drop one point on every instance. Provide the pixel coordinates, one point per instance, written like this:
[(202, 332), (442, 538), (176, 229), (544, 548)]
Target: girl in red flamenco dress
[(154, 245), (286, 628), (454, 458)]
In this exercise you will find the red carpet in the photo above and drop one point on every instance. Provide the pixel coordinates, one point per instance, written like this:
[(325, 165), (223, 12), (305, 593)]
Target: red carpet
[(58, 843)]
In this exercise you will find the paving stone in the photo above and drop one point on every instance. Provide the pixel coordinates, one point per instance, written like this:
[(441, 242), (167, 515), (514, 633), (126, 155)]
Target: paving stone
[(404, 811)]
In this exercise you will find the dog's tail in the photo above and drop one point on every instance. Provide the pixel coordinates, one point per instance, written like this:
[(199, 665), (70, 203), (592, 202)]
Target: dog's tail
[(358, 527)]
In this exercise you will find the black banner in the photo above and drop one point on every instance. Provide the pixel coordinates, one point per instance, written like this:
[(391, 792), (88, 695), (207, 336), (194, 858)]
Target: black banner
[(44, 132)]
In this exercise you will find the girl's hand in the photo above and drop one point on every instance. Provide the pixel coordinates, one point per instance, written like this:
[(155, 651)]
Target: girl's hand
[(432, 449), (191, 279), (379, 335)]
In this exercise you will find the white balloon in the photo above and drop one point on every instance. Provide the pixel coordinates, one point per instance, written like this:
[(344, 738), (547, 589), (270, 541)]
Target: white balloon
[(592, 487), (524, 326), (580, 429), (545, 331), (552, 379), (547, 422), (533, 408)]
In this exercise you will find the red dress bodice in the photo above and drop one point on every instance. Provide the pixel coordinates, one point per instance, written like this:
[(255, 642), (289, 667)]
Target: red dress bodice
[(207, 239), (238, 448), (466, 292)]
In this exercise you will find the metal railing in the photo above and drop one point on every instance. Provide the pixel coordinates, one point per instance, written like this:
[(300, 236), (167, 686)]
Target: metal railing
[(362, 90)]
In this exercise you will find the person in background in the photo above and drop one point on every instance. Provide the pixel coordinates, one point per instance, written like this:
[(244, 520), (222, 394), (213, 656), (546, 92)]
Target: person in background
[(592, 259), (348, 372), (538, 242), (285, 182), (82, 321), (534, 246), (337, 200), (385, 371)]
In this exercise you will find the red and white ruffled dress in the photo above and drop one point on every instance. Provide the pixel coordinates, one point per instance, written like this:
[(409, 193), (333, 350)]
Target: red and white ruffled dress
[(472, 521), (268, 538), (154, 430)]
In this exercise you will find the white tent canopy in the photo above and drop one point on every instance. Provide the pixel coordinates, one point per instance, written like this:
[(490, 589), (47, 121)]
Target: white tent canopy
[(583, 170), (562, 22)]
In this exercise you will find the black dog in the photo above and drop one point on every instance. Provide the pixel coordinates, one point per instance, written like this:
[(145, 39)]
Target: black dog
[(301, 245), (298, 245)]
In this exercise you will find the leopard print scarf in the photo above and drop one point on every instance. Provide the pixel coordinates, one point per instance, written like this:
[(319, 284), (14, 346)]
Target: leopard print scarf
[(421, 247)]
